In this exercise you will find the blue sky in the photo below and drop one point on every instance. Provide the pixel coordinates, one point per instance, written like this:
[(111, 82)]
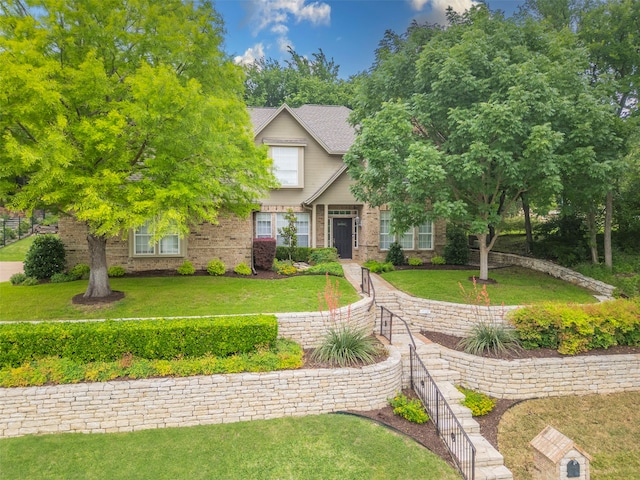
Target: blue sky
[(346, 30)]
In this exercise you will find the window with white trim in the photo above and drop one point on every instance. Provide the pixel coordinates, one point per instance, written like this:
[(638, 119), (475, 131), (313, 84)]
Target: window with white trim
[(425, 236), (143, 244), (263, 225), (386, 239), (406, 240), (286, 166), (302, 227)]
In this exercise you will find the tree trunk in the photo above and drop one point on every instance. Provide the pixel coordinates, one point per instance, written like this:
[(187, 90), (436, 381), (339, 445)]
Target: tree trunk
[(593, 235), (608, 216), (484, 256), (528, 245), (98, 278)]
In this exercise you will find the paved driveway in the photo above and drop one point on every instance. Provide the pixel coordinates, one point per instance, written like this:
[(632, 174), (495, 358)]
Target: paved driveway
[(9, 268)]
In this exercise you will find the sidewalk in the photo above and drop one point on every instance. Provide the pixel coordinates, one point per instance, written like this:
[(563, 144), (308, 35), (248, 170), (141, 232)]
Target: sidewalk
[(353, 273), (9, 268)]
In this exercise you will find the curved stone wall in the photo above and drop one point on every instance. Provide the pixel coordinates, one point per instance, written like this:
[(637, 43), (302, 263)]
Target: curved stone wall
[(124, 406), (546, 377)]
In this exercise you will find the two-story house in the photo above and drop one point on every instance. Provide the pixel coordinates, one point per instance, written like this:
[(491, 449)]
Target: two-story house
[(307, 145)]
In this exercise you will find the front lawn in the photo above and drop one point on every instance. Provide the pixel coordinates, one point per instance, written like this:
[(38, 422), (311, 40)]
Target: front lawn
[(515, 286), (16, 251), (607, 427), (313, 447), (171, 296)]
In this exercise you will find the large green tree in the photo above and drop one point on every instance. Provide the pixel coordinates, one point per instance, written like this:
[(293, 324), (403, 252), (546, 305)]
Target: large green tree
[(479, 128), (122, 112), (297, 81)]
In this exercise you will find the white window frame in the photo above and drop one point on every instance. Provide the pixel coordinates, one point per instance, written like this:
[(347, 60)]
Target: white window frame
[(171, 245), (385, 237), (302, 226), (428, 234), (288, 165), (262, 220)]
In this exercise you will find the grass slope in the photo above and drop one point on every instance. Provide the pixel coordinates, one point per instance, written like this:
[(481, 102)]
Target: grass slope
[(171, 296), (16, 251), (607, 427), (515, 286), (313, 447)]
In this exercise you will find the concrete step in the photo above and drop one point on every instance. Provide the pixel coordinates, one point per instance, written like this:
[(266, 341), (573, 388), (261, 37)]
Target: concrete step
[(493, 473), (486, 455)]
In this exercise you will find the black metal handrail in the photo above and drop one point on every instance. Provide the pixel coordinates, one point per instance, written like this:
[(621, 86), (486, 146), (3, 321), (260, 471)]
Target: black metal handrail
[(367, 285), (447, 424)]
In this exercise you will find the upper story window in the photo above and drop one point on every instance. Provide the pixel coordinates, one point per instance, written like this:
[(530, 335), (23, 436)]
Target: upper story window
[(143, 244), (287, 166)]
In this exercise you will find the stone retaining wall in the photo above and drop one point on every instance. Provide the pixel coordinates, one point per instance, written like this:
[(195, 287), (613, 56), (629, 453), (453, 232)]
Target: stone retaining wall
[(450, 318), (309, 328), (558, 271), (546, 377), (124, 406)]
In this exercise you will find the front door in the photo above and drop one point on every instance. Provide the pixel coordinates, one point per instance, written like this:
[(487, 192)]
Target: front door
[(342, 236)]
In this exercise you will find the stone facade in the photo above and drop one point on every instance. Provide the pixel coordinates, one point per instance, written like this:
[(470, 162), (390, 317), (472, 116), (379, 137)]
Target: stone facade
[(230, 241), (124, 406)]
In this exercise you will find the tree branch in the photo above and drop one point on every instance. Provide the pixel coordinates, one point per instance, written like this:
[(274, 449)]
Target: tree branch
[(24, 129)]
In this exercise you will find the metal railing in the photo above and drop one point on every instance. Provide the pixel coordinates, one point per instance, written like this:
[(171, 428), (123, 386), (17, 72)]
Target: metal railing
[(367, 285), (447, 425)]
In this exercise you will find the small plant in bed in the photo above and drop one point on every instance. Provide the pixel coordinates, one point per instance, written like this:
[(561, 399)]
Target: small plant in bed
[(490, 337), (479, 403), (346, 346), (411, 410)]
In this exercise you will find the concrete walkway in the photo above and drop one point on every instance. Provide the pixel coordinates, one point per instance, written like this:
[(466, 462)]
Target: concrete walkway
[(9, 268)]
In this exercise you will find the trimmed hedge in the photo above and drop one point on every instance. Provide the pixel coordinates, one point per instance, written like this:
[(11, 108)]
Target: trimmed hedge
[(150, 339), (573, 329), (300, 254)]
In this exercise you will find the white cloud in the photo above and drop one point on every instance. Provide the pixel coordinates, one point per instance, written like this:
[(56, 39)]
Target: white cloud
[(438, 8), (264, 13), (250, 55)]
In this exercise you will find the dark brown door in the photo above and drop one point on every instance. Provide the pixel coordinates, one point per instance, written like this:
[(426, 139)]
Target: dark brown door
[(342, 240)]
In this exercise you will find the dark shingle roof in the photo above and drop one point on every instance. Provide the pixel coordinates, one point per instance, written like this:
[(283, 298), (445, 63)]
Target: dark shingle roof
[(326, 123)]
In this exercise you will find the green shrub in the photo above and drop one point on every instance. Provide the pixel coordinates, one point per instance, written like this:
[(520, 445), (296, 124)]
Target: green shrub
[(456, 251), (216, 267), (116, 271), (186, 268), (298, 254), (490, 338), (284, 267), (283, 354), (80, 271), (323, 255), (479, 403), (24, 227), (573, 329), (378, 267), (347, 346), (30, 282), (415, 261), (150, 339), (242, 269), (411, 410), (395, 255), (332, 268), (17, 278), (62, 278), (438, 260), (45, 257)]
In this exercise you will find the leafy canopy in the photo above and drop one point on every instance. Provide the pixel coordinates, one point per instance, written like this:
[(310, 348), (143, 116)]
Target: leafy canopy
[(118, 112)]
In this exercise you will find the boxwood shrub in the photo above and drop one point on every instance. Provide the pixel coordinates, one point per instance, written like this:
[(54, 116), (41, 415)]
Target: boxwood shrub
[(151, 339)]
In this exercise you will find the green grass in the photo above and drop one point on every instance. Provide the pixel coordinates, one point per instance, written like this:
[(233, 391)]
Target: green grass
[(171, 296), (16, 251), (516, 286), (607, 427), (313, 447)]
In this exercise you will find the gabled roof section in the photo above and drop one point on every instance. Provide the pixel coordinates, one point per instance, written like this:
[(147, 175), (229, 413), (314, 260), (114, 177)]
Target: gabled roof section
[(326, 185), (327, 124)]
